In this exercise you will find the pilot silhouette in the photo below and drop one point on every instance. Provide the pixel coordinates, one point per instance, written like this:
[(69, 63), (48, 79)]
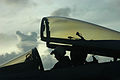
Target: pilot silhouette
[(78, 55), (63, 61)]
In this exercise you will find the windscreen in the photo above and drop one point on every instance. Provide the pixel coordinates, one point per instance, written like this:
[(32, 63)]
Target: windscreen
[(30, 60), (61, 27), (17, 60)]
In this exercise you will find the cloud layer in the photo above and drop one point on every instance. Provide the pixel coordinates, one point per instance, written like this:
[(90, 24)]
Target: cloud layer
[(64, 12), (27, 14), (26, 42), (7, 43)]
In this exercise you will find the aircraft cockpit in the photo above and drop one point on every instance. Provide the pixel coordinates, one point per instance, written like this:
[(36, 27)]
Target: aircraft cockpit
[(98, 40), (74, 35)]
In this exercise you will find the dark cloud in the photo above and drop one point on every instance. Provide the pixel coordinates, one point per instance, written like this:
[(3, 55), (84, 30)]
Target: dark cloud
[(62, 12), (31, 37), (27, 42)]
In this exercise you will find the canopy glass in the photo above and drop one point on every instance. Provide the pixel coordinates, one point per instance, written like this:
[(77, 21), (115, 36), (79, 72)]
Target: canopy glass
[(60, 27)]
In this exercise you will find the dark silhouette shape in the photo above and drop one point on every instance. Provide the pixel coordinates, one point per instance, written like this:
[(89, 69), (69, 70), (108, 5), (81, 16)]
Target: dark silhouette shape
[(80, 35), (63, 61), (78, 55), (115, 59), (28, 58)]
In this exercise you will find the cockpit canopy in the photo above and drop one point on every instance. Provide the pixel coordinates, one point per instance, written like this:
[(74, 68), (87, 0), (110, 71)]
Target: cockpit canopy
[(61, 31), (61, 27)]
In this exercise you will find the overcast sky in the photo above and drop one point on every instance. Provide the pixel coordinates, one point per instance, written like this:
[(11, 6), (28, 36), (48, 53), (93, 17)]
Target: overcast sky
[(25, 16)]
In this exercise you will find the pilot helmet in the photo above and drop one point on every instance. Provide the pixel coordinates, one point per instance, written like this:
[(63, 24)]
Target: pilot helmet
[(59, 51)]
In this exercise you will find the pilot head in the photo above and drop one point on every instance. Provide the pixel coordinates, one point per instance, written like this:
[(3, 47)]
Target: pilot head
[(59, 52)]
